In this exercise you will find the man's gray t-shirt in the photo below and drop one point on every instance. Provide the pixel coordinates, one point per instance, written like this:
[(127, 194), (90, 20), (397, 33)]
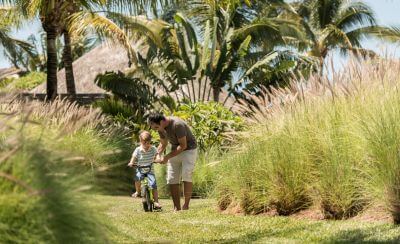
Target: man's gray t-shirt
[(177, 128)]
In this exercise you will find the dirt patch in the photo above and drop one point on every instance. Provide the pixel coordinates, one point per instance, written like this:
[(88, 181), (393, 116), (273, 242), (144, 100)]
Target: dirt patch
[(313, 213), (233, 209), (377, 213)]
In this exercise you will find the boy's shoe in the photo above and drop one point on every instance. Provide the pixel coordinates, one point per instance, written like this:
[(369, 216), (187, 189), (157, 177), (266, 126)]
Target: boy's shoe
[(157, 206), (136, 195)]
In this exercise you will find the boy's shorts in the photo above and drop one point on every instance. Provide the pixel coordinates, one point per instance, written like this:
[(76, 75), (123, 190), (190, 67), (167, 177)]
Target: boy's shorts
[(150, 176), (181, 165)]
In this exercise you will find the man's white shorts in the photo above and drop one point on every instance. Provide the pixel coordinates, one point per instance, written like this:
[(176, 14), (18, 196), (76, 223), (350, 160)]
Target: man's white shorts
[(181, 165)]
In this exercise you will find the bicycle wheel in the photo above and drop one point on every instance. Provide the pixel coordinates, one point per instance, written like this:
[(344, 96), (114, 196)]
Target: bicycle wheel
[(144, 197), (148, 201)]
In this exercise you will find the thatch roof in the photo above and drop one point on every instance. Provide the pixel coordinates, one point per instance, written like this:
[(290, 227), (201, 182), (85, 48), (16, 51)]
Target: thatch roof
[(113, 58), (102, 58), (7, 72)]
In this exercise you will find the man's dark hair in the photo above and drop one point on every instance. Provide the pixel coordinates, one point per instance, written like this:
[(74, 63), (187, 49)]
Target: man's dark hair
[(155, 118)]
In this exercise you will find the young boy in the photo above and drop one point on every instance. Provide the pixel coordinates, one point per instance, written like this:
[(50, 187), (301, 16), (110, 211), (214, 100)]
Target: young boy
[(142, 156)]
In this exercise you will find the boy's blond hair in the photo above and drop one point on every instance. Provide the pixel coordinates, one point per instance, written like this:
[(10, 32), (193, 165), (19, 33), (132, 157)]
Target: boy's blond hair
[(145, 135)]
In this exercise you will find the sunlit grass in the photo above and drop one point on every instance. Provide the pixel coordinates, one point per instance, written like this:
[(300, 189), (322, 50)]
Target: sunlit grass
[(205, 224)]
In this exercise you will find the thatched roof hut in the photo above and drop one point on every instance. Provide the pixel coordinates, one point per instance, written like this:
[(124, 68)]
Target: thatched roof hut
[(102, 58), (111, 58)]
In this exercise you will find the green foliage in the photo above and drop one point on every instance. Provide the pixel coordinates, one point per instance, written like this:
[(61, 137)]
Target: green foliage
[(205, 173), (132, 99), (337, 152), (30, 81), (382, 134), (5, 82), (25, 82), (212, 124), (132, 91), (41, 202)]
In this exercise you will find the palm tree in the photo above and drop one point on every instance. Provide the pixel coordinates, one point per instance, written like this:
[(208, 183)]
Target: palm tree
[(89, 14), (54, 16), (271, 34), (14, 49), (176, 58), (334, 24)]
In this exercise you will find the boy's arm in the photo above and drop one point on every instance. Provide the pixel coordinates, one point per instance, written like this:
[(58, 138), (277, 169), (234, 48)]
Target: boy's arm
[(133, 160)]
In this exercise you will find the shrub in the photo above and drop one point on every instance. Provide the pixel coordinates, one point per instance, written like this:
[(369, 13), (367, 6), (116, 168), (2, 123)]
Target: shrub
[(213, 125), (382, 132), (42, 189), (26, 82), (336, 145)]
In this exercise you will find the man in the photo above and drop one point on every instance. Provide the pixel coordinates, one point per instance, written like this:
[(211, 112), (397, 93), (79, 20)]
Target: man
[(182, 157)]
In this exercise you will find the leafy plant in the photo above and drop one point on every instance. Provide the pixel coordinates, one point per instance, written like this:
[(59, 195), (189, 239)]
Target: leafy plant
[(27, 82), (213, 125)]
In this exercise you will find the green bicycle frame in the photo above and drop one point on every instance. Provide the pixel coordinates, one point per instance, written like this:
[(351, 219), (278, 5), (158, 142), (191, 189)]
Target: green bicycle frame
[(145, 184)]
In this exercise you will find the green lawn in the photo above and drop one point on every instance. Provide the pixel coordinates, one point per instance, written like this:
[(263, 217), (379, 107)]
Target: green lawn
[(204, 224)]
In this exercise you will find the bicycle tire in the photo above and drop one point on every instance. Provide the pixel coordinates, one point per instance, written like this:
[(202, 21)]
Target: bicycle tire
[(144, 197), (149, 203)]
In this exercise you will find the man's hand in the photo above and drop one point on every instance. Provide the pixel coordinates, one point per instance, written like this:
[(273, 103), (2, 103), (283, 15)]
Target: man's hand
[(160, 159)]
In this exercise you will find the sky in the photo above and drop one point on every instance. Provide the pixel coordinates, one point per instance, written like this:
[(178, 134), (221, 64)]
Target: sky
[(387, 13)]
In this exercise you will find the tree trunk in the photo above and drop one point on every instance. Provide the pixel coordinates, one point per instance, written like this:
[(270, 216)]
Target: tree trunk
[(51, 90), (194, 92), (216, 91), (321, 66), (204, 90), (67, 58)]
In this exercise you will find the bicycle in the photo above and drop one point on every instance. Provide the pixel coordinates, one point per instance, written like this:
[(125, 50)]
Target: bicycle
[(146, 189)]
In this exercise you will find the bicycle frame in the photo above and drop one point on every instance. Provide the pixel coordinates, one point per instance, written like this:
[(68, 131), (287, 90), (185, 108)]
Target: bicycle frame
[(147, 190)]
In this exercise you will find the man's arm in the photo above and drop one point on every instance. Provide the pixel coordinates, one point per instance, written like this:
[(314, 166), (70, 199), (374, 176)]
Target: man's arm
[(163, 145), (182, 146)]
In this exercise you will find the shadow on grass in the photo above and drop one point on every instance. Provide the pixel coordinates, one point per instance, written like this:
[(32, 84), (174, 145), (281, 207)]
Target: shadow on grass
[(365, 235), (285, 234), (359, 235)]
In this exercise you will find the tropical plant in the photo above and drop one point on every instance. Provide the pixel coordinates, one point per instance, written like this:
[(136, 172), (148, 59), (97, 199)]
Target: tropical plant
[(55, 18), (25, 82), (14, 49), (132, 98), (334, 25), (214, 126)]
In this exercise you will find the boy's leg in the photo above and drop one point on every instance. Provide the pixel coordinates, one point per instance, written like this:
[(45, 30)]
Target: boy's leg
[(138, 177), (153, 184), (137, 187), (155, 195)]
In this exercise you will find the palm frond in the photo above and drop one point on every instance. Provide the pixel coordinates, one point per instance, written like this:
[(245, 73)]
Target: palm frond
[(333, 37), (84, 21), (355, 14), (391, 34), (324, 11)]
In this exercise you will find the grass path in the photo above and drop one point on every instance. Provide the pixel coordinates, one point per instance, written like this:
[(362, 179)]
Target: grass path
[(203, 224)]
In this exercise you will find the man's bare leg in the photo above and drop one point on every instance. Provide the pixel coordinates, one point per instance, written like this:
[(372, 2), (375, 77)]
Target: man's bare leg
[(187, 191), (175, 196)]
